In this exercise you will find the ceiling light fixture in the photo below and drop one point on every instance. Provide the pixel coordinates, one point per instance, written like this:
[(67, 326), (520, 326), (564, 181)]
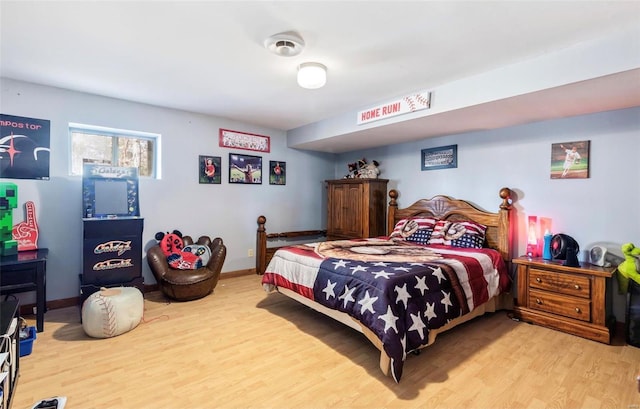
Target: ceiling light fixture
[(312, 75)]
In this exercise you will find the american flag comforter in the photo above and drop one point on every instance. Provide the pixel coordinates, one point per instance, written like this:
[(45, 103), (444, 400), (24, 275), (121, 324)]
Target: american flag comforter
[(399, 290)]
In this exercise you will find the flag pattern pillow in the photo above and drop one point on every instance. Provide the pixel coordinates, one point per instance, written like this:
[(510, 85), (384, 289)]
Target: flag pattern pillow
[(421, 236), (407, 228), (458, 234)]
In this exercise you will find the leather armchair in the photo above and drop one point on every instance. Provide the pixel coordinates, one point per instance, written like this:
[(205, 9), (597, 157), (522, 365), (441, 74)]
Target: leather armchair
[(186, 285)]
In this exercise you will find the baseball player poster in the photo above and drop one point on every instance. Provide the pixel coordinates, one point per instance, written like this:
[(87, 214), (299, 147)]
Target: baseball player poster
[(570, 160)]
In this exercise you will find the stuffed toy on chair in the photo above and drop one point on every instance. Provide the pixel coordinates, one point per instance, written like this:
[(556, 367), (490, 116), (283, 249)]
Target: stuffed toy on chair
[(179, 256), (170, 242), (629, 269)]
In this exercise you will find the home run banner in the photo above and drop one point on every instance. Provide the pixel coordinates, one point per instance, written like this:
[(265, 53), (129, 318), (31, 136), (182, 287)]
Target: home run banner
[(409, 103), (24, 147)]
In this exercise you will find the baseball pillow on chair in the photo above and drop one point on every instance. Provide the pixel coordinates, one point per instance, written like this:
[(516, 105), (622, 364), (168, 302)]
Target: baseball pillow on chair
[(191, 257)]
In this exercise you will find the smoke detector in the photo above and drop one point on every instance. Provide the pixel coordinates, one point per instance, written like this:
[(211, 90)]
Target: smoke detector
[(285, 44)]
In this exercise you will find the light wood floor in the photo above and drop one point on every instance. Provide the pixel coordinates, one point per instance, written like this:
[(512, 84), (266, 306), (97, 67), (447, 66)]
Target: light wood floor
[(242, 348)]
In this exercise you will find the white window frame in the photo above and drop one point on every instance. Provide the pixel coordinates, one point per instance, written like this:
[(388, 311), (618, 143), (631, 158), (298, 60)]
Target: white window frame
[(120, 133)]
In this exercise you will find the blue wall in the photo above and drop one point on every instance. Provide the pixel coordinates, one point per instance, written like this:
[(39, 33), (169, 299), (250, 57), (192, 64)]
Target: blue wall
[(603, 209), (177, 201), (600, 209)]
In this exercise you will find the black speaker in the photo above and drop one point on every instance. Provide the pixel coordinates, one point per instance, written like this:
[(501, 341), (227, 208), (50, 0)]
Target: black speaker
[(564, 247), (632, 321)]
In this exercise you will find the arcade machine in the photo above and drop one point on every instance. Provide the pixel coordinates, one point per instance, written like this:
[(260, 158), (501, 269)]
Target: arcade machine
[(112, 244)]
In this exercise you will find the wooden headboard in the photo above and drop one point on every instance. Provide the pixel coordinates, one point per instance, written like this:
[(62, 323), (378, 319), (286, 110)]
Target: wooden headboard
[(447, 208), (440, 207)]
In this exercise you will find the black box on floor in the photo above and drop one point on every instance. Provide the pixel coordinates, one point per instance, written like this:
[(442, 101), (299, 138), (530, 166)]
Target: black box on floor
[(632, 321)]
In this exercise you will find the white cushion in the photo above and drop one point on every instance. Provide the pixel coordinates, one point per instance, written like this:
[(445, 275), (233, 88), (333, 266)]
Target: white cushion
[(112, 311)]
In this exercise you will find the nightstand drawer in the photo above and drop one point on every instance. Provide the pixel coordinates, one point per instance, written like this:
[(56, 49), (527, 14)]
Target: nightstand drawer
[(575, 300), (564, 283), (572, 307)]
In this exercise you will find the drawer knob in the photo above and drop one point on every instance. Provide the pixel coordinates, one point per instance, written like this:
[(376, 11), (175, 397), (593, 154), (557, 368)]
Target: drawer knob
[(578, 310), (576, 286), (538, 301), (538, 279)]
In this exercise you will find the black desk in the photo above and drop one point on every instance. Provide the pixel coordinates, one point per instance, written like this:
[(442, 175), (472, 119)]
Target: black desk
[(26, 271)]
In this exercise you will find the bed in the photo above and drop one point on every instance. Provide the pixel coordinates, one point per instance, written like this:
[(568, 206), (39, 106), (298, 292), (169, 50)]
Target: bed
[(443, 262)]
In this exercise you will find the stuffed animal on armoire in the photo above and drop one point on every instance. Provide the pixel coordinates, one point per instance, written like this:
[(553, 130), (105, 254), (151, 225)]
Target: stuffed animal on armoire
[(369, 170), (353, 171)]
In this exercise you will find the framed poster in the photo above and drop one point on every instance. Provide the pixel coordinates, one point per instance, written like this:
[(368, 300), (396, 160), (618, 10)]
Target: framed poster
[(25, 143), (570, 160), (243, 140), (277, 172), (440, 158), (246, 169), (210, 169)]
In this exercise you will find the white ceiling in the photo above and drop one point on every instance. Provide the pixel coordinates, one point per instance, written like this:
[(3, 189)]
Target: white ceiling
[(208, 56)]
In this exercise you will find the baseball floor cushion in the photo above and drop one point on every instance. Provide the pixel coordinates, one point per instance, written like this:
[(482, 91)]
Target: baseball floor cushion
[(112, 311)]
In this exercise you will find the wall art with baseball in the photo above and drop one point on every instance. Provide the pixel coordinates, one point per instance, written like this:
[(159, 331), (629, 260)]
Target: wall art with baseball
[(570, 160), (277, 172), (210, 169)]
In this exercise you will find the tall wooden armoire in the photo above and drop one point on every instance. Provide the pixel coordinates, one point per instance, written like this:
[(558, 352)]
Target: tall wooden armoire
[(356, 208)]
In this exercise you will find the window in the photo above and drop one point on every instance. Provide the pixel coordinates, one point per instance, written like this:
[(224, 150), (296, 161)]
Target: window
[(116, 147)]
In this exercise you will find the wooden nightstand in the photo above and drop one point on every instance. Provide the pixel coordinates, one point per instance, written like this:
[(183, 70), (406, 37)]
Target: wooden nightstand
[(570, 299)]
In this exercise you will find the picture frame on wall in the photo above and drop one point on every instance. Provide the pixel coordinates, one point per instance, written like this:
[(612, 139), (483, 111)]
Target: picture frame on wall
[(277, 172), (244, 140), (27, 142), (570, 160), (440, 158), (210, 169), (245, 169)]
